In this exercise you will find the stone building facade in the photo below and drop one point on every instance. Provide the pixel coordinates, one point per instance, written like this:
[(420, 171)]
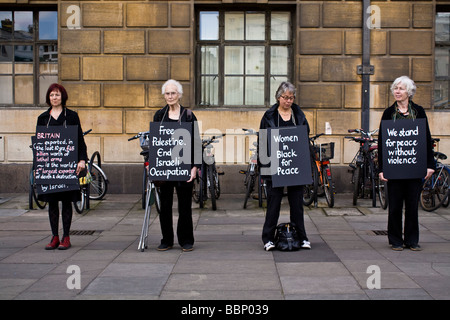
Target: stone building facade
[(113, 57)]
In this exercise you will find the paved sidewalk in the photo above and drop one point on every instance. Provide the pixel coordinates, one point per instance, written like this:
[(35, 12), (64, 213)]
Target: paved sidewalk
[(228, 261)]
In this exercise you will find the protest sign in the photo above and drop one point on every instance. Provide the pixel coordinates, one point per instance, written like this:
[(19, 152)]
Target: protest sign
[(290, 162), (170, 151), (55, 158), (404, 149)]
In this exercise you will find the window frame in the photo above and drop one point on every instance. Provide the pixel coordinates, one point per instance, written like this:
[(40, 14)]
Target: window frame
[(441, 44), (221, 43), (36, 43)]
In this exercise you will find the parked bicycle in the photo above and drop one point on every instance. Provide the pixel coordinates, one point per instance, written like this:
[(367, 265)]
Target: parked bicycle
[(207, 183), (321, 155), (435, 190), (144, 140), (94, 185), (364, 167), (252, 174)]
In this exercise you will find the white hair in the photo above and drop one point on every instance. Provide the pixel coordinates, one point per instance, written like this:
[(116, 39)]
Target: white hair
[(174, 82), (409, 83)]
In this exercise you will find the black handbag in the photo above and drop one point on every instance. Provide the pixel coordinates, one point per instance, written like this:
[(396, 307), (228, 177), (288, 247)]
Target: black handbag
[(286, 237)]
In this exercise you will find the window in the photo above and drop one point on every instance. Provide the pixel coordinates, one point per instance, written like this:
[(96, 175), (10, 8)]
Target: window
[(242, 57), (28, 55), (442, 57)]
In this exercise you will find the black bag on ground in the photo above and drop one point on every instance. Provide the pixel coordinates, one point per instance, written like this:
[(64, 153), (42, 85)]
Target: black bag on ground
[(286, 237)]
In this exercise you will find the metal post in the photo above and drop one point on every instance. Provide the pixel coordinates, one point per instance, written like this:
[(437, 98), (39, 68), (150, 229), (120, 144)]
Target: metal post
[(365, 69)]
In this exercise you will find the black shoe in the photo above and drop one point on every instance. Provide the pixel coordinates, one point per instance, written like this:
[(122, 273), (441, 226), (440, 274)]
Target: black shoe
[(163, 247), (188, 247)]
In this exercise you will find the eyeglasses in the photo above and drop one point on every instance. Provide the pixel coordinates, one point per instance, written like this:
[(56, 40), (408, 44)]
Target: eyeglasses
[(171, 93), (288, 98)]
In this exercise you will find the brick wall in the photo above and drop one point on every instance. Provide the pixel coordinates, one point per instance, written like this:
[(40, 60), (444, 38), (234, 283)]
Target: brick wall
[(113, 67)]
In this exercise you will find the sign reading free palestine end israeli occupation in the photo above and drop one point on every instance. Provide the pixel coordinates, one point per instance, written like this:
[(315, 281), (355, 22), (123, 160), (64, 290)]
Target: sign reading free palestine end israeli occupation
[(170, 151)]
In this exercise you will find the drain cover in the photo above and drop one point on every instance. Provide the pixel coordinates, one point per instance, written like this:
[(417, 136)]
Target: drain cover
[(380, 232), (83, 232)]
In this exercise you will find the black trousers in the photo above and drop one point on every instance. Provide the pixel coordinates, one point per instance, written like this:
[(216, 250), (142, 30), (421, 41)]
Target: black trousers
[(185, 228), (403, 191), (274, 197), (66, 214)]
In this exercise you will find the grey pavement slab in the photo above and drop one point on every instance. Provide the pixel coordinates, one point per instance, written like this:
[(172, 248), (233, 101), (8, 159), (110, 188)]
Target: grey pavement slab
[(228, 261)]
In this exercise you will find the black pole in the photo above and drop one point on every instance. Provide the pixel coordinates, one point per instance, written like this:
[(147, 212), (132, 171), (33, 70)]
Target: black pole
[(365, 69)]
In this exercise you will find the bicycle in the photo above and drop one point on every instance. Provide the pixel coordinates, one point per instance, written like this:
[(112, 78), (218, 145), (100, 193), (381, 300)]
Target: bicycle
[(207, 179), (322, 154), (94, 185), (144, 140), (435, 190), (310, 190), (364, 170), (252, 174)]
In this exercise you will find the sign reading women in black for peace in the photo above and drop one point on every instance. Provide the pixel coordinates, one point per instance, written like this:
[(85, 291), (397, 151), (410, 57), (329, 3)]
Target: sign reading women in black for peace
[(290, 162), (404, 148), (55, 156), (170, 151)]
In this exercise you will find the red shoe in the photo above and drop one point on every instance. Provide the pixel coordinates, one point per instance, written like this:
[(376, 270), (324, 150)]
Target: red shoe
[(65, 243), (53, 244)]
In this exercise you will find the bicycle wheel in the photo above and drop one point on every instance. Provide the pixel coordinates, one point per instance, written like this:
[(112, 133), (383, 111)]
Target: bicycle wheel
[(261, 190), (32, 194), (216, 181), (202, 185), (373, 190), (98, 186), (328, 186), (79, 205), (357, 181), (434, 192), (250, 185), (212, 188), (158, 199), (310, 191), (382, 193), (196, 188)]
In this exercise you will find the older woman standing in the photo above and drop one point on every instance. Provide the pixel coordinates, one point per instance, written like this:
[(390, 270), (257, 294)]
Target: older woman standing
[(174, 112), (405, 190), (59, 115), (285, 113)]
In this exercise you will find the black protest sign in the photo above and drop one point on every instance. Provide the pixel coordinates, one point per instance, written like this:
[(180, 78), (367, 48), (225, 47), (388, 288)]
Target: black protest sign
[(290, 162), (55, 158), (404, 148), (170, 151)]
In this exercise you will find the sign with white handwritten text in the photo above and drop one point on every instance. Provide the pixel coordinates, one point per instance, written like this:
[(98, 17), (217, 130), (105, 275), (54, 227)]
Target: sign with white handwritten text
[(170, 151), (55, 157), (291, 157), (404, 149)]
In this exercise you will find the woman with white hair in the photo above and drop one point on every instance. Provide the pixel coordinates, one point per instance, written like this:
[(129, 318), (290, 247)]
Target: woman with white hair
[(175, 112), (404, 190)]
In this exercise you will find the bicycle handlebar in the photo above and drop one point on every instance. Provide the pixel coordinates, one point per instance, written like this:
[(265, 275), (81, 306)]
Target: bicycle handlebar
[(86, 132), (138, 135)]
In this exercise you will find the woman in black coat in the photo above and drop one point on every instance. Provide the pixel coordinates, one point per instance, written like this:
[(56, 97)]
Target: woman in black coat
[(404, 190), (174, 112), (285, 113), (59, 115)]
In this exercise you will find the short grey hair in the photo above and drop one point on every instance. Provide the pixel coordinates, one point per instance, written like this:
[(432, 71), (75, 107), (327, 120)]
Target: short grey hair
[(285, 86), (176, 83), (408, 82)]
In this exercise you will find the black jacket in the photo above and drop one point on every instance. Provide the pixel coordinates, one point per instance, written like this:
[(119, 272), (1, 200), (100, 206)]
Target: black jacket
[(420, 114), (270, 120), (71, 118)]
